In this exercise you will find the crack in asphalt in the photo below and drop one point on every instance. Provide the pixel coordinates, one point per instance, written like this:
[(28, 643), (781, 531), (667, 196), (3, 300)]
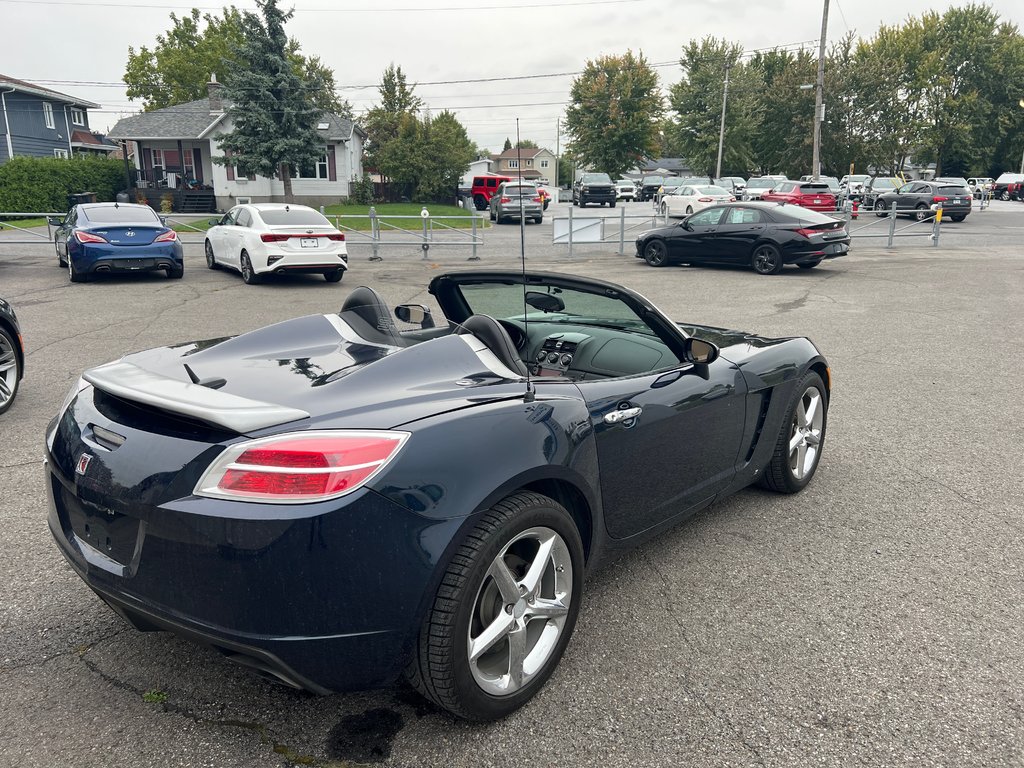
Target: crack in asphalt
[(21, 464), (78, 651), (665, 584)]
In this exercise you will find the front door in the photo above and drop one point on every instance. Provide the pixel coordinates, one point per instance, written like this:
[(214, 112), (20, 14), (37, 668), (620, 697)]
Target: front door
[(695, 241), (739, 230), (677, 450)]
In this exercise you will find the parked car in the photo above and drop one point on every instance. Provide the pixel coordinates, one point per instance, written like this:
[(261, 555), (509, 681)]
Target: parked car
[(593, 188), (916, 198), (1008, 186), (758, 186), (686, 200), (519, 201), (115, 238), (424, 502), (878, 185), (765, 236), (484, 187), (808, 194), (852, 186), (957, 181), (735, 184), (980, 185), (12, 356), (261, 239), (625, 189), (649, 186)]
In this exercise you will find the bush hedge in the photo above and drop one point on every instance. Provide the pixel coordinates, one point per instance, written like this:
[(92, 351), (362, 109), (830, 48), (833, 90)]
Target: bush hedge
[(42, 184)]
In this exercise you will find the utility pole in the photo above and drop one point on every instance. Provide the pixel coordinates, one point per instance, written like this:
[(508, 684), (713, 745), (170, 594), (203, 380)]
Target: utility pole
[(558, 141), (721, 128), (819, 104)]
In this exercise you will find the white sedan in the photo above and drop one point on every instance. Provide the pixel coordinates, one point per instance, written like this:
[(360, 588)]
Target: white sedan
[(269, 238), (686, 200)]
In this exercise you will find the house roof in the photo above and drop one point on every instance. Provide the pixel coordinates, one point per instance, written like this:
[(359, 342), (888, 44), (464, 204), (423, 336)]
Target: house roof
[(525, 152), (193, 120), (37, 90), (670, 164), (88, 139)]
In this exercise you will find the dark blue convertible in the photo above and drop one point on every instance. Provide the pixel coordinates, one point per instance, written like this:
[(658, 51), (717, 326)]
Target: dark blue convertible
[(341, 499)]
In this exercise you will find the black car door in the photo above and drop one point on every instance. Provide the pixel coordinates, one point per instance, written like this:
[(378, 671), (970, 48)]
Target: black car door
[(737, 232), (666, 441), (693, 240)]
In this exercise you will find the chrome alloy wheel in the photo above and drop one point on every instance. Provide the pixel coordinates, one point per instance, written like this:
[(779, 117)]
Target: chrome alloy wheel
[(805, 433), (520, 611), (8, 371)]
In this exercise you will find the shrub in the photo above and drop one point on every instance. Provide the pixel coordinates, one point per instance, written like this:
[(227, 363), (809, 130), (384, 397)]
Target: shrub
[(166, 202), (361, 190), (42, 184)]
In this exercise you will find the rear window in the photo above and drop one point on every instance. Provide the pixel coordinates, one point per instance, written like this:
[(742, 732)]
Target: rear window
[(712, 191), (951, 190), (123, 214), (521, 190), (815, 189), (297, 217)]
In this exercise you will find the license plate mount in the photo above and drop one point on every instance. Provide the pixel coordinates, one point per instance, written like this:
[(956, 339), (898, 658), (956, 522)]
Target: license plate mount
[(309, 242)]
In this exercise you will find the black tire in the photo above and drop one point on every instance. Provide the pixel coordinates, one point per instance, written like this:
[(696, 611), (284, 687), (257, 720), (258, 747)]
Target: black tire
[(959, 217), (779, 474), (62, 263), (880, 208), (176, 273), (480, 203), (334, 275), (11, 378), (249, 276), (491, 213), (74, 275), (766, 259), (468, 596), (664, 209), (656, 253), (611, 204), (539, 220), (810, 264), (922, 212), (211, 259)]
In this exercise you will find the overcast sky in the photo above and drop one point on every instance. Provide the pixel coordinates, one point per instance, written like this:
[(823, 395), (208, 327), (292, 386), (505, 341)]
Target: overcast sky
[(81, 48)]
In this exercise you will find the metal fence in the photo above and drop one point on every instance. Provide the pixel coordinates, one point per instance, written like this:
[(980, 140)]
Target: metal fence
[(574, 229)]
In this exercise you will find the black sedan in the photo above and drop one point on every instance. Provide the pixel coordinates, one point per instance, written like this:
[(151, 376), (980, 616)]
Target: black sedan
[(918, 199), (765, 236), (106, 238), (335, 502), (12, 356)]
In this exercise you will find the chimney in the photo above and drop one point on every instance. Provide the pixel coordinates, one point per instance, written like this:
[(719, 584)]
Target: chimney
[(213, 89)]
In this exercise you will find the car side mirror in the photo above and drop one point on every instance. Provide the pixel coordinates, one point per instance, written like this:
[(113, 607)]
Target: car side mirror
[(700, 352), (415, 314), (53, 221), (687, 225), (213, 222)]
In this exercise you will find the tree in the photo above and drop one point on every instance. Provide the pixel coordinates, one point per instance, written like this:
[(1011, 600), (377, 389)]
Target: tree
[(196, 46), (614, 113), (429, 154), (697, 102), (384, 122), (271, 106), (508, 145)]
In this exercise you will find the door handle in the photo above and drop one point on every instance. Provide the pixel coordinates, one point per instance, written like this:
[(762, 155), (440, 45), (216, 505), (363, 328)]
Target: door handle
[(624, 414)]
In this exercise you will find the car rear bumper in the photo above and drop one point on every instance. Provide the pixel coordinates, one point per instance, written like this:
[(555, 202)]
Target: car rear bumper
[(290, 261), (95, 258)]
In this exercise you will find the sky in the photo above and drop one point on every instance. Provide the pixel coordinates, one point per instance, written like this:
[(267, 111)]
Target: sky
[(81, 48)]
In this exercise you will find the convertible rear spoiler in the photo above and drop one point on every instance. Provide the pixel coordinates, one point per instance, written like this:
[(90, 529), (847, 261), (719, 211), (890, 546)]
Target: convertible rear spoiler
[(211, 406)]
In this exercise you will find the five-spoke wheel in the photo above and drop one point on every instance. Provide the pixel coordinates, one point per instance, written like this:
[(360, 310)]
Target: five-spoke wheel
[(766, 259), (801, 439)]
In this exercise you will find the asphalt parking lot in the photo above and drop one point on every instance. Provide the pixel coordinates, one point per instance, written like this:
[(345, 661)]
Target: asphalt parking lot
[(875, 619)]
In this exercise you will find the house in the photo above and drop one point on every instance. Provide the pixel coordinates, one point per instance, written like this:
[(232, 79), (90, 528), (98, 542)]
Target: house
[(675, 166), (537, 164), (38, 122), (175, 147), (479, 167)]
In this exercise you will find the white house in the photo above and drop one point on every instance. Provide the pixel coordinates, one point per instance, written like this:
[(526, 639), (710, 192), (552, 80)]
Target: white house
[(175, 148)]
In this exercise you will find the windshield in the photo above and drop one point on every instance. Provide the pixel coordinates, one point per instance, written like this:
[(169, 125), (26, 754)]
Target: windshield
[(123, 214), (652, 180), (569, 306), (298, 217), (596, 178)]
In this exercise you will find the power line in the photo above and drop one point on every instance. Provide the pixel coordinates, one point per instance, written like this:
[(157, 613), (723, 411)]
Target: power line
[(435, 9)]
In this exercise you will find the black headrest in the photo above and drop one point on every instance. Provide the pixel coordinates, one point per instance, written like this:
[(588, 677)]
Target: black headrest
[(491, 333)]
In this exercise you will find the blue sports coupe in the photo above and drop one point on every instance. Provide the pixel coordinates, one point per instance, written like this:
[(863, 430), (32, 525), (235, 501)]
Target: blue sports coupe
[(104, 238), (342, 499)]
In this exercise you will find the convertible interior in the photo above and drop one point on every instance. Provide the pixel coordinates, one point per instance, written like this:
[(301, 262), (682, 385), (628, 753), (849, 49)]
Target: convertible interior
[(565, 333)]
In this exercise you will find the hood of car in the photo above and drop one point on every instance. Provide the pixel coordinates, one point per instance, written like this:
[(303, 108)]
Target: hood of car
[(305, 372)]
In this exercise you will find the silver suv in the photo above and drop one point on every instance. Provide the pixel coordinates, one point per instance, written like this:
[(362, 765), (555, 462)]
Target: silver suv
[(517, 200)]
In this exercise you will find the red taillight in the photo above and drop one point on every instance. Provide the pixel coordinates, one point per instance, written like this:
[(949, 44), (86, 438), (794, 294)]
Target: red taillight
[(938, 199), (808, 232), (269, 237), (88, 237), (167, 237), (338, 237), (705, 200), (300, 467), (505, 200)]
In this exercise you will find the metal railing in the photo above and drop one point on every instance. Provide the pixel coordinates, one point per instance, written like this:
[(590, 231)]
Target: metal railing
[(571, 234), (35, 237)]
